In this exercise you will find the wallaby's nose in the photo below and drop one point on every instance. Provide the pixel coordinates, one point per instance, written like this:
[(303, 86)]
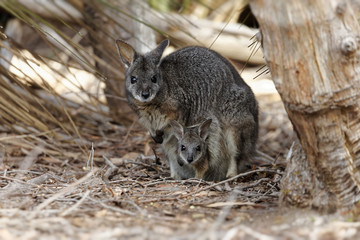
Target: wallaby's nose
[(190, 159), (145, 94)]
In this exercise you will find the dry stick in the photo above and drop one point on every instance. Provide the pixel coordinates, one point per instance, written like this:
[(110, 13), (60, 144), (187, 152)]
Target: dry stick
[(20, 181), (29, 159), (128, 132), (108, 162), (265, 156), (61, 193), (221, 217), (167, 180), (110, 170), (40, 179), (229, 180), (115, 209), (73, 207), (91, 158), (253, 184), (177, 197)]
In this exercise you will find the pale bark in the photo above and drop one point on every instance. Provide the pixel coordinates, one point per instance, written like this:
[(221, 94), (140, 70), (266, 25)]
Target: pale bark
[(145, 36), (231, 40), (312, 50)]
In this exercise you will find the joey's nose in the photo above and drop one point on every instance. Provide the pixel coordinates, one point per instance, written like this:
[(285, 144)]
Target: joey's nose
[(190, 159), (145, 94)]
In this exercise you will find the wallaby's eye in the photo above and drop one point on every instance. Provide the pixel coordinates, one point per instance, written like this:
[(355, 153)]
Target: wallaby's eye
[(198, 148), (133, 80), (183, 148), (154, 79)]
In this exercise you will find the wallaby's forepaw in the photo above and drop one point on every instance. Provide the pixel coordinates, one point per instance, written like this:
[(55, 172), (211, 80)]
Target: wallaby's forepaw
[(199, 174), (231, 173), (175, 175)]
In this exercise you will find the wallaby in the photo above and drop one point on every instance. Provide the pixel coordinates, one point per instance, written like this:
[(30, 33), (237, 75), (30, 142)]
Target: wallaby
[(182, 86), (192, 146), (199, 144)]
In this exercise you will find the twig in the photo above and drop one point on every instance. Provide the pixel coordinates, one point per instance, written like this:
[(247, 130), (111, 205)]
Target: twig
[(265, 156), (231, 179), (113, 208), (61, 193), (112, 168), (220, 218), (91, 158), (76, 205), (40, 179), (170, 180), (30, 158), (132, 202), (128, 132), (178, 196), (253, 184), (251, 194), (108, 162), (20, 181)]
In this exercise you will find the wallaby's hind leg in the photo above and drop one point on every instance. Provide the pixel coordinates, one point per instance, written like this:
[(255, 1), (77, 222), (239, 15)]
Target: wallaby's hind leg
[(247, 135), (231, 147)]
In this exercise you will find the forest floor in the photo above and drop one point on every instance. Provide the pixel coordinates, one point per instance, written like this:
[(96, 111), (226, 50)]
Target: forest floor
[(122, 190)]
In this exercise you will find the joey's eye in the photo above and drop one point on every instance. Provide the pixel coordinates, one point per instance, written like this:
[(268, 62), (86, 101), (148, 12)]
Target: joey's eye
[(154, 79), (133, 80), (198, 148), (183, 148)]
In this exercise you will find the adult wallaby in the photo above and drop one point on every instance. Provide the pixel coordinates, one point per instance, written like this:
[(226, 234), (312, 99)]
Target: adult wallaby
[(184, 85)]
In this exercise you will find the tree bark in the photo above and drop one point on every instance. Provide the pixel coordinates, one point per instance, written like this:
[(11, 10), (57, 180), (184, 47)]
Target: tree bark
[(312, 50)]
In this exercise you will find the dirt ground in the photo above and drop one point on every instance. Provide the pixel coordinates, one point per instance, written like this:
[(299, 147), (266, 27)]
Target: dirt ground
[(122, 190)]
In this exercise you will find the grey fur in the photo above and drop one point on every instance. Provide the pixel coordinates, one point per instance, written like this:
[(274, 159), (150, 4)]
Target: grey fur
[(190, 83)]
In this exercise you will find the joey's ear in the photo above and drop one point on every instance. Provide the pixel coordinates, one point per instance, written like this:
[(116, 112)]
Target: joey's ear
[(204, 129), (177, 129), (158, 51), (127, 53)]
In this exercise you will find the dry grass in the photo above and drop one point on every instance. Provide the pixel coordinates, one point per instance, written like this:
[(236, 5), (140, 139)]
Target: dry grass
[(118, 189)]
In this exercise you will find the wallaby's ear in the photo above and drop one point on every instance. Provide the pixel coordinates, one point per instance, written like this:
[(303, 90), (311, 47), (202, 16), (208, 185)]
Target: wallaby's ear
[(178, 130), (158, 51), (204, 129), (127, 53)]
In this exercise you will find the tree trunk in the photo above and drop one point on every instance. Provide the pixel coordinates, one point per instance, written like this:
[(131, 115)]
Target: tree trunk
[(117, 20), (103, 30), (311, 48)]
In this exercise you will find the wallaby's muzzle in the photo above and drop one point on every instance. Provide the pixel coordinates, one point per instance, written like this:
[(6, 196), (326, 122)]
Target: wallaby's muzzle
[(145, 94)]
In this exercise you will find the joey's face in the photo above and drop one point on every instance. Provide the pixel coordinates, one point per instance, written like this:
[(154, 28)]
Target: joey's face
[(143, 80), (191, 149)]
